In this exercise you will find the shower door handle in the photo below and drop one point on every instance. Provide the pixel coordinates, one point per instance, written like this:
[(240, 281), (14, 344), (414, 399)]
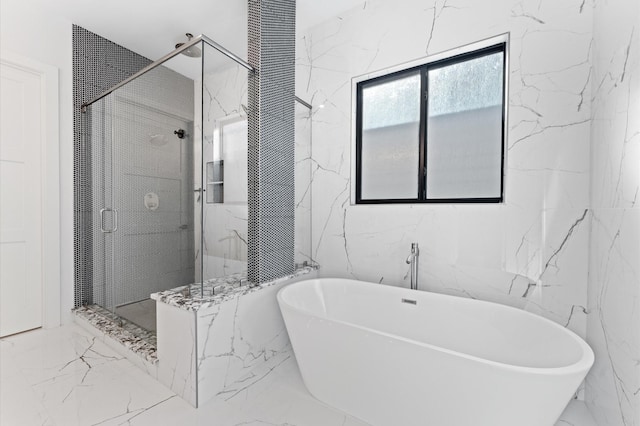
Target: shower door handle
[(115, 220), (104, 231)]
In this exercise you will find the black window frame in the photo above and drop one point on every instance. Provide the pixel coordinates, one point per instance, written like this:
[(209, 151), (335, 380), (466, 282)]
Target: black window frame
[(423, 69)]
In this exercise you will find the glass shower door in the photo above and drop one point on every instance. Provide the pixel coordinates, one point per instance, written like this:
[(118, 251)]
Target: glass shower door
[(99, 145), (151, 177), (141, 141)]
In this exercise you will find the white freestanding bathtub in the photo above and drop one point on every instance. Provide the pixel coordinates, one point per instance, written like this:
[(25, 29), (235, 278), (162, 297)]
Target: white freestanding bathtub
[(397, 357)]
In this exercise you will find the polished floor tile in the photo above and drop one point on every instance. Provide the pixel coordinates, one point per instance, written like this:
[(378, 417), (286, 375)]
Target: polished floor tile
[(73, 379), (576, 414), (65, 376)]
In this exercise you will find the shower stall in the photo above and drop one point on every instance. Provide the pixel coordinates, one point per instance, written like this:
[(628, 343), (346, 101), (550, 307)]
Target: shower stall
[(166, 154)]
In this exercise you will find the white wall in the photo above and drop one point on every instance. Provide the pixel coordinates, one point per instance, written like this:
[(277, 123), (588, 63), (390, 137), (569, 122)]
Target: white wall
[(530, 251), (614, 269), (27, 31)]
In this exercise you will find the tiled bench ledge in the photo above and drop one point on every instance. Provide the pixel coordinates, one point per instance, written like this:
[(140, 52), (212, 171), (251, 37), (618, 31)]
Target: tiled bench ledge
[(219, 290), (219, 343)]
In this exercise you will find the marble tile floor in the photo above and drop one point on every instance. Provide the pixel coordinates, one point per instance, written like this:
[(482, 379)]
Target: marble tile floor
[(65, 376), (142, 313)]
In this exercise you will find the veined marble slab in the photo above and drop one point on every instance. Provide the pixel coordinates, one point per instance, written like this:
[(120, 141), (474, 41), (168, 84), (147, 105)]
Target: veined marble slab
[(221, 338)]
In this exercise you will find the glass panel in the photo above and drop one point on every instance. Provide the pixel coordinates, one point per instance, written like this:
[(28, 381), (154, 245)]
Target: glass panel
[(152, 187), (303, 185), (98, 126), (142, 140), (464, 129), (224, 144), (390, 139)]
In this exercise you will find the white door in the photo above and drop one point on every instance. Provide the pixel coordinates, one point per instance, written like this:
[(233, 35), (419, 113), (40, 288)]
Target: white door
[(20, 200)]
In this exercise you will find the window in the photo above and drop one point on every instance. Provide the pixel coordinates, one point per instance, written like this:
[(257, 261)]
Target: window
[(434, 132)]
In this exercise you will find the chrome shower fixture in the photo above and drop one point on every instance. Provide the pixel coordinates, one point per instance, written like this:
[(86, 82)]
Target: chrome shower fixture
[(193, 51)]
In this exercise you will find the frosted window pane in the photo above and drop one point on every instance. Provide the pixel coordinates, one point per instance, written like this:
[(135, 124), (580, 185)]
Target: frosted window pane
[(468, 85), (391, 103), (464, 129), (390, 139)]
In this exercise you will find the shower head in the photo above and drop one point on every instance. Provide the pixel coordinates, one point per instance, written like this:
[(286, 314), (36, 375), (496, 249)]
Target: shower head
[(193, 51)]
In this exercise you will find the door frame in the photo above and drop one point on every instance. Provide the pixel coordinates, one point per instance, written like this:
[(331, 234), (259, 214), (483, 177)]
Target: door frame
[(50, 181)]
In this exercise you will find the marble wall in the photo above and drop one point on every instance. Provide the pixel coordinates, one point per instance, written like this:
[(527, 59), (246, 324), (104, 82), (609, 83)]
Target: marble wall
[(239, 342), (613, 387), (176, 368), (566, 242), (529, 251)]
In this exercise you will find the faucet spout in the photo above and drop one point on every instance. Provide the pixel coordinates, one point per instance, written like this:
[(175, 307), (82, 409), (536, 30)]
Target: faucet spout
[(412, 260)]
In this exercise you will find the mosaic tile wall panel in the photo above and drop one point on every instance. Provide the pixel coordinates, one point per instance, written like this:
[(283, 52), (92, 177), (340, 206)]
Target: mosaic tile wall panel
[(98, 64), (132, 160), (271, 139)]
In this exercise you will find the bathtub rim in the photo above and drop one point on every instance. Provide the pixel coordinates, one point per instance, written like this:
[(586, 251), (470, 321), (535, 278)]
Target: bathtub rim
[(583, 364)]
